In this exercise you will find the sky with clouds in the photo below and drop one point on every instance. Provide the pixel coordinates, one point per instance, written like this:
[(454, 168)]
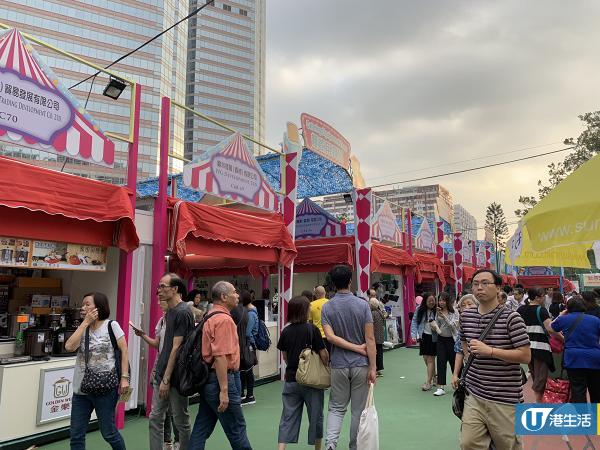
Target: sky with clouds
[(418, 86)]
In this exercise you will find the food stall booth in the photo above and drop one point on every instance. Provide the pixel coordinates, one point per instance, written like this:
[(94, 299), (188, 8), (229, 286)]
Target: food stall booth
[(61, 239), (212, 243), (61, 236)]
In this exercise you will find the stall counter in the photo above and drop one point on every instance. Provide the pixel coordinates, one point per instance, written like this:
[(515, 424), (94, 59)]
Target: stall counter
[(28, 408)]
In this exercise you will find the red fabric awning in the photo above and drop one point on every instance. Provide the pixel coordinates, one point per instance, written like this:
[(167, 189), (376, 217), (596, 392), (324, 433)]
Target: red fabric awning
[(38, 203), (468, 272), (210, 237), (568, 285), (449, 272), (322, 257), (391, 260), (429, 267), (512, 280), (543, 281)]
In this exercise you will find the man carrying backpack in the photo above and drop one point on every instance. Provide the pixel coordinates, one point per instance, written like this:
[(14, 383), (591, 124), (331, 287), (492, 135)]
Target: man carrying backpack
[(220, 398), (179, 324)]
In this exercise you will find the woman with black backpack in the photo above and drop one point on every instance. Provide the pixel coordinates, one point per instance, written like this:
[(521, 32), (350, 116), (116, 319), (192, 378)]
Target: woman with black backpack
[(101, 371), (247, 332)]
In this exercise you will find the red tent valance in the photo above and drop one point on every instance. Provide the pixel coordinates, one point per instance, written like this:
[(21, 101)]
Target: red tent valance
[(449, 272), (38, 203), (468, 272), (543, 281), (429, 267), (512, 280), (215, 238), (390, 260)]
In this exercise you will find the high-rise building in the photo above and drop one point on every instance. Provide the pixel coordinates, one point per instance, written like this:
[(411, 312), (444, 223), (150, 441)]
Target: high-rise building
[(101, 31), (226, 73), (432, 201), (465, 223)]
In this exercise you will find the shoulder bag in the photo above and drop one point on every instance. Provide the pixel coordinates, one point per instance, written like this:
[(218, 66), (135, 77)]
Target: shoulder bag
[(559, 390), (458, 398), (311, 370), (248, 358), (556, 346), (98, 382)]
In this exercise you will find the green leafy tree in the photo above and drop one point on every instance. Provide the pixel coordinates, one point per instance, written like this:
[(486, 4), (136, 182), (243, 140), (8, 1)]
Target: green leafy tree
[(585, 147), (495, 222)]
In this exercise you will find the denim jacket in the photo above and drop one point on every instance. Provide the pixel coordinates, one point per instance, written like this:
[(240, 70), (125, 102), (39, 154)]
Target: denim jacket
[(252, 327), (416, 329)]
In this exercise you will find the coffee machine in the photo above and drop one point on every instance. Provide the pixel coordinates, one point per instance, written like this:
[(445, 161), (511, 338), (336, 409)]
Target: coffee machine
[(72, 318), (38, 339)]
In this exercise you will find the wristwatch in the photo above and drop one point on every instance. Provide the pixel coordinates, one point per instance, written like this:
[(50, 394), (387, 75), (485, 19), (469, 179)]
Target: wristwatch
[(165, 381)]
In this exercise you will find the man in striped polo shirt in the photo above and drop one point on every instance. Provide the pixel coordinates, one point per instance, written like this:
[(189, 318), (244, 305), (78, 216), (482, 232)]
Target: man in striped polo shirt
[(493, 382)]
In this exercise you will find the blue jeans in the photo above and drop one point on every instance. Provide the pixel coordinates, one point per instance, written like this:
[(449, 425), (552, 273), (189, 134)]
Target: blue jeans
[(81, 411), (232, 419)]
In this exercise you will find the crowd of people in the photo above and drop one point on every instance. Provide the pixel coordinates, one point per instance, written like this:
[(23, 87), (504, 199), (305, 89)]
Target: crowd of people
[(527, 327), (347, 334)]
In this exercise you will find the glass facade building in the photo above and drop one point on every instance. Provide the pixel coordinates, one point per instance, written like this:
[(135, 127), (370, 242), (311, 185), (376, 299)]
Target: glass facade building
[(101, 31), (226, 72)]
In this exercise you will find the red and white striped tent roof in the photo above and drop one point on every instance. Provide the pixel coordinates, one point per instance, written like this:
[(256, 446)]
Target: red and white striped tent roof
[(60, 126), (230, 171), (331, 226), (385, 227)]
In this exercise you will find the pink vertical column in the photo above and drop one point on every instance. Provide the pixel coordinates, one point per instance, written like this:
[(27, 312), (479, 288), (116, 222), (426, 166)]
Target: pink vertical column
[(439, 249), (126, 259), (363, 204), (488, 256), (159, 241), (409, 301), (458, 262), (474, 254)]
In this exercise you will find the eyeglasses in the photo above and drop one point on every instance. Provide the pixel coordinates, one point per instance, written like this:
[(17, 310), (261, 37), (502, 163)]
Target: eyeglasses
[(163, 286), (483, 284)]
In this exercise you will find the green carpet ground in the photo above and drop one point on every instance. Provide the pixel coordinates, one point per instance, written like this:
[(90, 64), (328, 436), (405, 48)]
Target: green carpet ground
[(408, 417)]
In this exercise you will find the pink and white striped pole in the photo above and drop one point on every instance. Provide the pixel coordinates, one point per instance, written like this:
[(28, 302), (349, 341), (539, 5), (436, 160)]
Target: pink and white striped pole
[(488, 256), (473, 254), (363, 205), (409, 301), (439, 249), (458, 262)]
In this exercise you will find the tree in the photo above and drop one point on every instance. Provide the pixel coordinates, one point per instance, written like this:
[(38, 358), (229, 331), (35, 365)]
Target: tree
[(584, 148), (495, 222)]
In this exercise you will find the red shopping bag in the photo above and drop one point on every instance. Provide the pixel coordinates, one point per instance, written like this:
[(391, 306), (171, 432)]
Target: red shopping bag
[(556, 345), (557, 391)]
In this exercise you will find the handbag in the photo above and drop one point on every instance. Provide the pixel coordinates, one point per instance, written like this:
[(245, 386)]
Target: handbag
[(248, 358), (311, 371), (367, 437), (458, 398), (97, 382), (559, 390), (556, 346)]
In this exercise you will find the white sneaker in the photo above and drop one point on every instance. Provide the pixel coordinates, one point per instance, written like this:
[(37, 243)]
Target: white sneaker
[(439, 392)]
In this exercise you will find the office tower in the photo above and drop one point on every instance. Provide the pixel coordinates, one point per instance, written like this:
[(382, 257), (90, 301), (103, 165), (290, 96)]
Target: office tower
[(465, 223)]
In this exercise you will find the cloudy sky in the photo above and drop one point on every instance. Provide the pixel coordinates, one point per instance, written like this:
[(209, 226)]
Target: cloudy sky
[(421, 87)]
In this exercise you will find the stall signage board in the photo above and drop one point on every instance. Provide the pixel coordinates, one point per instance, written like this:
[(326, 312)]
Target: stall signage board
[(55, 394), (385, 227), (322, 138), (230, 171), (312, 221), (591, 280), (60, 255), (425, 239), (15, 252), (310, 225), (37, 112)]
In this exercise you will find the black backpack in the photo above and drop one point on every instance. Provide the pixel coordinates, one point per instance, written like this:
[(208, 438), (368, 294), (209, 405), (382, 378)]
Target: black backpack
[(191, 371)]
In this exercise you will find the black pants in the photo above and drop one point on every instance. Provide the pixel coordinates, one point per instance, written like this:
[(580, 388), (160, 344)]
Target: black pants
[(583, 380), (379, 357), (445, 355), (247, 379)]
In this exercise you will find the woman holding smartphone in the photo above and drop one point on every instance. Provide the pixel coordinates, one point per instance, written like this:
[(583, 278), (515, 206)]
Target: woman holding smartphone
[(422, 332)]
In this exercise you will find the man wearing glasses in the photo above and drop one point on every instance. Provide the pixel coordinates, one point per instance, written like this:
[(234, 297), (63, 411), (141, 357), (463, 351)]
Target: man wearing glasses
[(179, 323), (493, 383)]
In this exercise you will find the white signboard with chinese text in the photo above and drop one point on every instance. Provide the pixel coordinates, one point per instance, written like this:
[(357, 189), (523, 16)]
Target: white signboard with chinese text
[(55, 394), (591, 280)]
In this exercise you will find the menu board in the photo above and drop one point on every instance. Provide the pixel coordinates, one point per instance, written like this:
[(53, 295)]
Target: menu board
[(17, 252), (60, 255), (14, 252)]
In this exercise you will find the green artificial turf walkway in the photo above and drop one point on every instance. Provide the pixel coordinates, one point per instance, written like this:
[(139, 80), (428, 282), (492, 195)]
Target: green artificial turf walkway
[(408, 417)]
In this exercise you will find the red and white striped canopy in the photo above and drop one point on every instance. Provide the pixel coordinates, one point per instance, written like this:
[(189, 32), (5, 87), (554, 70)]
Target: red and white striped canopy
[(308, 210), (385, 227), (26, 84), (230, 171)]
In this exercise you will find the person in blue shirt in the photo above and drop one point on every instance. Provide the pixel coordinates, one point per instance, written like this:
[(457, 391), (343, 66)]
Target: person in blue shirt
[(582, 350)]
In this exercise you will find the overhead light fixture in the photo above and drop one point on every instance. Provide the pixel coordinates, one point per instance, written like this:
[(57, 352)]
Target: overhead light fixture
[(348, 198), (114, 89)]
